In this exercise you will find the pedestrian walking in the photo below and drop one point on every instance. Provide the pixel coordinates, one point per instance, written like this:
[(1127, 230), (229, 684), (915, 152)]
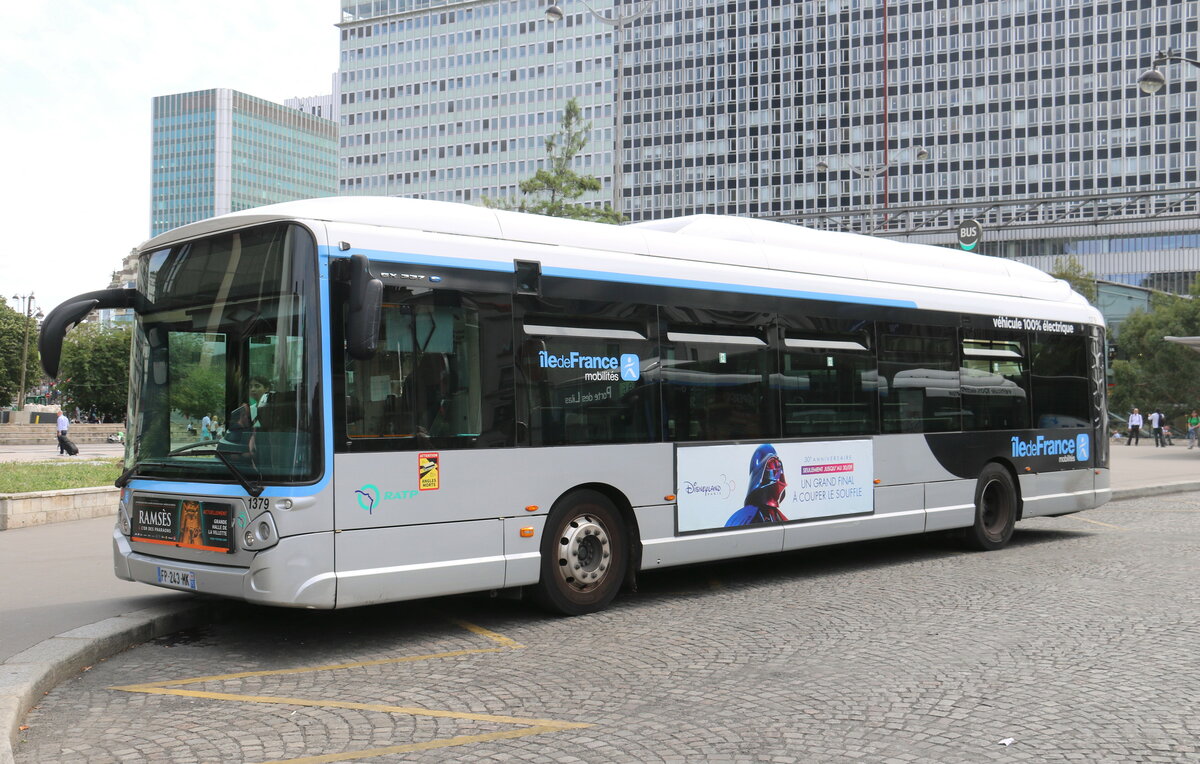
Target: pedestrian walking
[(1156, 425), (64, 424), (1135, 427), (1193, 424)]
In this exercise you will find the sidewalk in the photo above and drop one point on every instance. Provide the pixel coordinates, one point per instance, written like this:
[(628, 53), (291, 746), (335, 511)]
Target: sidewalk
[(63, 608)]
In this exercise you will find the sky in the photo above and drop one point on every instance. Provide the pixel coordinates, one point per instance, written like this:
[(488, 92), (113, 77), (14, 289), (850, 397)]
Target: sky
[(76, 82)]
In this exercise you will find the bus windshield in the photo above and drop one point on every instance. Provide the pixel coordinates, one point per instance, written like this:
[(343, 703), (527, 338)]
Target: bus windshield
[(223, 377)]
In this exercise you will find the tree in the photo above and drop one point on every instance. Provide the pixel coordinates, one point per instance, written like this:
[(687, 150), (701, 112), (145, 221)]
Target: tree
[(12, 334), (555, 188), (94, 372), (1155, 373), (1070, 270)]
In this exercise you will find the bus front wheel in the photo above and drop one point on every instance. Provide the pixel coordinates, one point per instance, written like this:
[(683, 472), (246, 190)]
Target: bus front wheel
[(583, 554), (995, 510)]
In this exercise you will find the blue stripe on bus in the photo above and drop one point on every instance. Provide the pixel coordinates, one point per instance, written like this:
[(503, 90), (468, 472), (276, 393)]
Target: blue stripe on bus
[(401, 258), (186, 489), (622, 278), (625, 278)]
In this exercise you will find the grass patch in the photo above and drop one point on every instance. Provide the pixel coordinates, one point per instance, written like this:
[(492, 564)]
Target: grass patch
[(26, 477)]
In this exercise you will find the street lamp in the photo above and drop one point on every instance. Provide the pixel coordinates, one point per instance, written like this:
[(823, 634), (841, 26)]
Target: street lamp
[(1153, 79), (554, 13), (27, 312), (919, 153)]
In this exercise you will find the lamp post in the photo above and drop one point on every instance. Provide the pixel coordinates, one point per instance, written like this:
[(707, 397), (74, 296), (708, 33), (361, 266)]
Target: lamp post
[(554, 13), (874, 171), (26, 312), (1153, 79)]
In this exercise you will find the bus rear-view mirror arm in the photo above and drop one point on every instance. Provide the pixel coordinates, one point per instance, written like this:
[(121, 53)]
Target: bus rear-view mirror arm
[(68, 314), (365, 309)]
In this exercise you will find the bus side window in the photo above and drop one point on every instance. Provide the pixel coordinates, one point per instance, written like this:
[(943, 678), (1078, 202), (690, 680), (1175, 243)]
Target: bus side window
[(717, 383), (918, 378), (995, 381), (827, 383), (1060, 381)]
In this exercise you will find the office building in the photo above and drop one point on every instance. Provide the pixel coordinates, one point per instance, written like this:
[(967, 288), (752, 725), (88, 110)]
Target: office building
[(218, 151), (324, 106), (1022, 114), (454, 100)]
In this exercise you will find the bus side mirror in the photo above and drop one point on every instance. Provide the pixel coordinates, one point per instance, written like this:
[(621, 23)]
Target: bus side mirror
[(67, 315), (365, 308)]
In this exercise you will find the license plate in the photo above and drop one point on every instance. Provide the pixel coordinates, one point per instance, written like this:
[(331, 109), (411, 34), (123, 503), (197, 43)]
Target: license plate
[(185, 579)]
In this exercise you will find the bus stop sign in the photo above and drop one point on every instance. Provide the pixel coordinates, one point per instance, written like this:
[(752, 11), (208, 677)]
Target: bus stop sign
[(969, 234)]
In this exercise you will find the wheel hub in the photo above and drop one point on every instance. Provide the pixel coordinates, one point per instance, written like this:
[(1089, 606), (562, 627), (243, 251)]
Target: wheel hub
[(584, 552)]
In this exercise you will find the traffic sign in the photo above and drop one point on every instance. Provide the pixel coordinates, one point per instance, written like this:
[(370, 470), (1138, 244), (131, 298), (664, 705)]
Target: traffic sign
[(969, 234)]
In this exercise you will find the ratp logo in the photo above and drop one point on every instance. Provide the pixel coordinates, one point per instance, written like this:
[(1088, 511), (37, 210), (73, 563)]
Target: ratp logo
[(1082, 447), (368, 497)]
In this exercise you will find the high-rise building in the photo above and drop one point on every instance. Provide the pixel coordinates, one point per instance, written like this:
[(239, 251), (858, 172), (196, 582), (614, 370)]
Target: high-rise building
[(453, 99), (218, 151), (325, 106), (899, 118)]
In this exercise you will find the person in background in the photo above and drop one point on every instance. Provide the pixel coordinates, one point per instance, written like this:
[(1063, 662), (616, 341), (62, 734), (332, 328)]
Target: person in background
[(206, 428), (1156, 423), (1193, 423), (1135, 427), (64, 424)]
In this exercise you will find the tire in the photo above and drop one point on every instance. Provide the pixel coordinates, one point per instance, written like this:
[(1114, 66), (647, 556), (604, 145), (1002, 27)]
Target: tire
[(995, 510), (584, 555)]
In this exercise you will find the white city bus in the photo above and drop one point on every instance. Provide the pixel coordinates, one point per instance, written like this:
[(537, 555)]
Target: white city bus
[(346, 401)]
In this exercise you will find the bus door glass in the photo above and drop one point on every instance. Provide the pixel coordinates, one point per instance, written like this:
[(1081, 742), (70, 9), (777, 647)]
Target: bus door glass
[(427, 385)]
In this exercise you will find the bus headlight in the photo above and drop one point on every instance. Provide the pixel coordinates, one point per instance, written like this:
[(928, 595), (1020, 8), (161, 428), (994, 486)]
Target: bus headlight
[(260, 534), (123, 513)]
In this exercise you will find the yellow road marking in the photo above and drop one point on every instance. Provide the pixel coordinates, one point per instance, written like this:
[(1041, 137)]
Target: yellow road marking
[(308, 669), (379, 707), (498, 638), (1097, 522), (529, 726)]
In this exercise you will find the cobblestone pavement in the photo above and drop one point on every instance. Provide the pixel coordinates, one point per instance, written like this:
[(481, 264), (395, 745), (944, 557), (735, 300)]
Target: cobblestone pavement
[(1076, 643)]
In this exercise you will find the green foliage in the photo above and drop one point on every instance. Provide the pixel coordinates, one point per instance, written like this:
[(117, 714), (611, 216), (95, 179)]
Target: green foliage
[(1152, 372), (199, 391), (27, 477), (555, 189), (197, 378), (1070, 270), (12, 334), (95, 370)]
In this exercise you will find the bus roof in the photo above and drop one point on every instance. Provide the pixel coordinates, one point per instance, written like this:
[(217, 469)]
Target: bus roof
[(692, 243)]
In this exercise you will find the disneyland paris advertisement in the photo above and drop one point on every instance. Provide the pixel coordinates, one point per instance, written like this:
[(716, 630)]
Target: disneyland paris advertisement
[(746, 485)]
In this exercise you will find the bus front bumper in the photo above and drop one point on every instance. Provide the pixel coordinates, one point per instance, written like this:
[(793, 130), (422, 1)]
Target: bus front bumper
[(297, 572)]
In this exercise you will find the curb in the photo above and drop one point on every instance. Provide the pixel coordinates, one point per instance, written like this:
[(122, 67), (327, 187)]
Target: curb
[(28, 675), (1142, 492)]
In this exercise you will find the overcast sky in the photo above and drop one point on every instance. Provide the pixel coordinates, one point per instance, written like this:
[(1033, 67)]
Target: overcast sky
[(76, 81)]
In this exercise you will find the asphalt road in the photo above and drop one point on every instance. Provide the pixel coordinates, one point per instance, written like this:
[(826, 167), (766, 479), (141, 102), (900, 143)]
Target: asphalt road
[(1075, 643)]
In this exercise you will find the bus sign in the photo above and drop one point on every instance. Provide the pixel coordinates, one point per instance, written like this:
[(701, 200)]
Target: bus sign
[(969, 234)]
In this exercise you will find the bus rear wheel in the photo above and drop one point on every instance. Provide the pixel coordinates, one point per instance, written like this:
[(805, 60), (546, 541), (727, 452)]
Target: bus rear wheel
[(583, 555), (995, 510)]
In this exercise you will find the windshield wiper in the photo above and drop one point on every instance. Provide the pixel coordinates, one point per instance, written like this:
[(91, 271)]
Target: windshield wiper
[(253, 488), (128, 473)]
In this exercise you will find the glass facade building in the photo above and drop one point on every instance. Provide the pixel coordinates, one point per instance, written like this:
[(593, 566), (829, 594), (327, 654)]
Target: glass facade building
[(894, 118), (218, 151), (453, 100)]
